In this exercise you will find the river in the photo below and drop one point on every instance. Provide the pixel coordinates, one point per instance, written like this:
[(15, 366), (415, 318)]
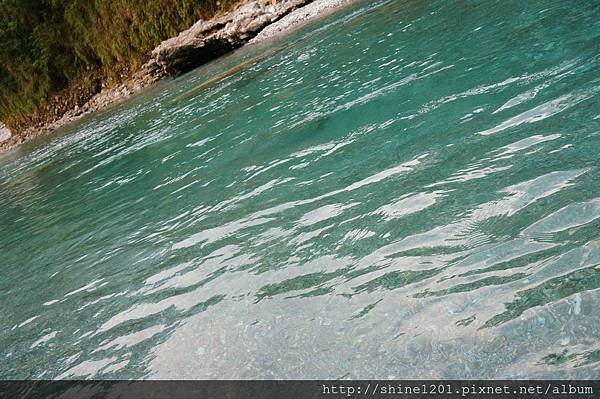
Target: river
[(404, 189)]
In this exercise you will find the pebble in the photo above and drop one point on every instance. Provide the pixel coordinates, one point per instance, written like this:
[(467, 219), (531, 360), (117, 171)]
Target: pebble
[(577, 304)]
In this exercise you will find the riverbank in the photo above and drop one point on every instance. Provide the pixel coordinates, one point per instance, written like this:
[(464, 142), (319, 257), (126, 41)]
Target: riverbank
[(251, 22)]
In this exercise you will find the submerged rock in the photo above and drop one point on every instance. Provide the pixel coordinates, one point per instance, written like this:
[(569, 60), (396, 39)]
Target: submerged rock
[(577, 303)]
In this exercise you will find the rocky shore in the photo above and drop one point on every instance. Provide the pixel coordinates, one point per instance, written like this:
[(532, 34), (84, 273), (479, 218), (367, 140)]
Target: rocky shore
[(5, 133), (298, 17), (251, 22)]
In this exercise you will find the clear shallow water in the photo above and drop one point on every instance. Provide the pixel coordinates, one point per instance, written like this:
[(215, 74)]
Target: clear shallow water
[(410, 190)]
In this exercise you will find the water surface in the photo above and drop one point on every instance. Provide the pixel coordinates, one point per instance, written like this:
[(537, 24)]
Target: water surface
[(405, 189)]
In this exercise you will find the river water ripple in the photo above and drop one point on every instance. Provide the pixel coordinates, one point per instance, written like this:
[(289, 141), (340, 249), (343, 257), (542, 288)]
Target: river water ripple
[(404, 189)]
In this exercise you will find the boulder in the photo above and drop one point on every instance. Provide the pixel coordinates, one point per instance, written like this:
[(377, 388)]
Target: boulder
[(207, 40), (5, 133)]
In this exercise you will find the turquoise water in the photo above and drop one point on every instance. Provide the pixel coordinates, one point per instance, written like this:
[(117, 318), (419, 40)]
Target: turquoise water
[(404, 189)]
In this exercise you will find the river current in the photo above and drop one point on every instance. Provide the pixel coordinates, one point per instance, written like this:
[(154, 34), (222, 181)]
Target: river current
[(403, 189)]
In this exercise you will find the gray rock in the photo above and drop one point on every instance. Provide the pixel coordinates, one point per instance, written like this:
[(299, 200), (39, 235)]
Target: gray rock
[(205, 41), (5, 133)]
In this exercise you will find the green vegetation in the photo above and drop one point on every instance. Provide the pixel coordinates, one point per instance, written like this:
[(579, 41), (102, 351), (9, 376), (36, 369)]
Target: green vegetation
[(47, 45)]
